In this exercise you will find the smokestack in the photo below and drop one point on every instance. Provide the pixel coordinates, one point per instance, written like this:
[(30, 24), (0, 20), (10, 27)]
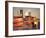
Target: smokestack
[(21, 12), (29, 13)]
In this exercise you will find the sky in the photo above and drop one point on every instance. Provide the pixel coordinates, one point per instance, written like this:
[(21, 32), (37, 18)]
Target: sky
[(35, 12)]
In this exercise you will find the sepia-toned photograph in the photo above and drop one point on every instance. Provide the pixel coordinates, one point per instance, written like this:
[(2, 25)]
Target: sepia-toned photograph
[(26, 18)]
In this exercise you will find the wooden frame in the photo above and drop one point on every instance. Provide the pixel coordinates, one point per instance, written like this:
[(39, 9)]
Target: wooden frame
[(6, 18)]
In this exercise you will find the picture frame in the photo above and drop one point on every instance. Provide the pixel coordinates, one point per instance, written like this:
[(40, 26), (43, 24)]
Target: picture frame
[(9, 32)]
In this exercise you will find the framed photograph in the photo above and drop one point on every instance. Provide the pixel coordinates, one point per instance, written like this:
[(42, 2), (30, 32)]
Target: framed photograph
[(24, 18)]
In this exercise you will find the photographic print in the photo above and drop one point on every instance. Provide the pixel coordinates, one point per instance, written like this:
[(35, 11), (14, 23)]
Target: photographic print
[(24, 18)]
